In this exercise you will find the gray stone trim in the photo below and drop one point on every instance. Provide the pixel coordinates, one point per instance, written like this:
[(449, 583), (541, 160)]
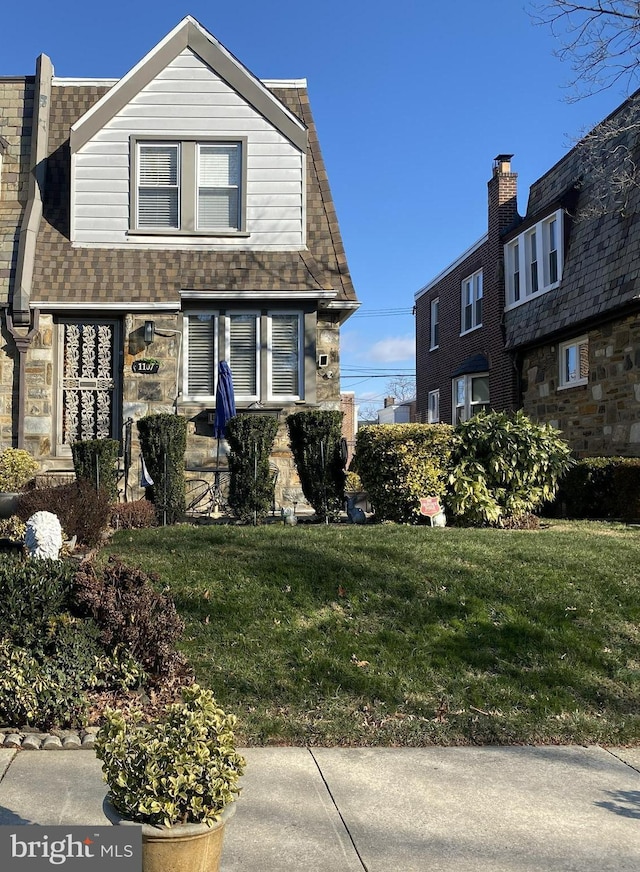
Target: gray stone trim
[(190, 34), (33, 213), (27, 739)]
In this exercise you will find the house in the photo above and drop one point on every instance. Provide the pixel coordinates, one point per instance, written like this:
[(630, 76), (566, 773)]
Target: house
[(397, 412), (181, 215), (560, 301), (461, 363)]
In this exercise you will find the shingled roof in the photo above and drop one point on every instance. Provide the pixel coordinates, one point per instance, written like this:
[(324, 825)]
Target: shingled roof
[(64, 274), (601, 274)]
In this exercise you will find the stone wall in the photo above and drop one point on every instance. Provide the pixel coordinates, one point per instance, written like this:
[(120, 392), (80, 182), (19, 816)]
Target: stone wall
[(145, 394), (603, 416)]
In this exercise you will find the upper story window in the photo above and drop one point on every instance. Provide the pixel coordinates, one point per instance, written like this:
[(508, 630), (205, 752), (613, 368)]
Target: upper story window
[(188, 187), (534, 260), (434, 324), (254, 344), (574, 363), (471, 302)]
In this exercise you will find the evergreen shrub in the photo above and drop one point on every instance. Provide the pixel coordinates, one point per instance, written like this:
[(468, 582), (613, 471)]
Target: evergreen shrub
[(504, 466), (600, 487), (251, 439), (315, 438), (401, 463), (96, 460), (163, 441)]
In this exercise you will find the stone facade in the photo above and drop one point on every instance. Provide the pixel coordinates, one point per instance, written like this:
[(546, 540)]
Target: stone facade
[(603, 416)]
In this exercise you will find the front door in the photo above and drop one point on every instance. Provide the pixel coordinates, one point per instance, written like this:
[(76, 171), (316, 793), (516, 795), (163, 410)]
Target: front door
[(88, 404)]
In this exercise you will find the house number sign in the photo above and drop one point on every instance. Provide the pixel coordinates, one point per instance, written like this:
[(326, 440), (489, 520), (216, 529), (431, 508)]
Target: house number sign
[(145, 367)]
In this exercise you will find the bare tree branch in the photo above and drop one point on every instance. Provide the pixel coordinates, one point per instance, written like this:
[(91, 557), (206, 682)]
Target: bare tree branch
[(599, 39)]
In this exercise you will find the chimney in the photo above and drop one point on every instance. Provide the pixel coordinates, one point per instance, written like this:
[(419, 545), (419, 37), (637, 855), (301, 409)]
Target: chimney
[(389, 401), (503, 195)]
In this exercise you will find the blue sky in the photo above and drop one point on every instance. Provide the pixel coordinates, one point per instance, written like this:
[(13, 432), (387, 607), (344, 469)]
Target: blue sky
[(412, 101)]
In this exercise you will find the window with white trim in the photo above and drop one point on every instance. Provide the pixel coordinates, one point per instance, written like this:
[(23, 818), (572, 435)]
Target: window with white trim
[(471, 302), (536, 254), (433, 408), (254, 343), (470, 395), (434, 324), (285, 358), (574, 363), (187, 186)]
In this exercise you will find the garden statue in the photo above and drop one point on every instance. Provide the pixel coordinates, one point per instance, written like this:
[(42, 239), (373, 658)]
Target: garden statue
[(43, 537)]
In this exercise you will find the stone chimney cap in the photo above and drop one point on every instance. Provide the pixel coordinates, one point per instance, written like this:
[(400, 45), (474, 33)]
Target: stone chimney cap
[(502, 163)]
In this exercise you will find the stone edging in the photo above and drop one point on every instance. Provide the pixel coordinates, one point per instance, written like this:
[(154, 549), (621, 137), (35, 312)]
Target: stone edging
[(27, 739)]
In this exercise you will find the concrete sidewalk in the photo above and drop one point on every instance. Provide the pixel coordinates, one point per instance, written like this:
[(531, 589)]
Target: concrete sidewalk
[(507, 809)]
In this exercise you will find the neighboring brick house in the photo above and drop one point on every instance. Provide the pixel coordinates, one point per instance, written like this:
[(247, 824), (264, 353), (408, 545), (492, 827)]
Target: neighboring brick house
[(181, 213), (561, 301), (572, 272), (461, 365)]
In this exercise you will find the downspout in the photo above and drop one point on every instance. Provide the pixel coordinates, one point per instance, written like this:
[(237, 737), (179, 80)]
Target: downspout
[(19, 321), (22, 340)]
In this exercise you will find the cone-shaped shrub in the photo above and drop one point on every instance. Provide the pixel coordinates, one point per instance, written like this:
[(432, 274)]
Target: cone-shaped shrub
[(96, 460), (315, 438), (251, 439), (163, 441)]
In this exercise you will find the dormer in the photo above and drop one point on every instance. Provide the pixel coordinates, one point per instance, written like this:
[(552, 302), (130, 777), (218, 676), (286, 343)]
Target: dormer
[(189, 150)]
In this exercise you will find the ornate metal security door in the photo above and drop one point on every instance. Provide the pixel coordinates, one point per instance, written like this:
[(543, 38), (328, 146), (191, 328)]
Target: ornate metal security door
[(88, 383)]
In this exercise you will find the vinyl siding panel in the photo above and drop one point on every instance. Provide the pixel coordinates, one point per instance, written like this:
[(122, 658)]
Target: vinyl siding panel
[(189, 100)]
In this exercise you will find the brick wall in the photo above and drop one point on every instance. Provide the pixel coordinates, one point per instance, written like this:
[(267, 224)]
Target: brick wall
[(434, 369), (603, 416)]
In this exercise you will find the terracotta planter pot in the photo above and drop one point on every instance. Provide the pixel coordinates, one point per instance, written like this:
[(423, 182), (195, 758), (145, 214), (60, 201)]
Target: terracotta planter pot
[(181, 848)]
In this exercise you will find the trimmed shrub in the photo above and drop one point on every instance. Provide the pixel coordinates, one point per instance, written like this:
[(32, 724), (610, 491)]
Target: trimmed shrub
[(83, 512), (129, 611), (401, 463), (38, 693), (600, 487), (163, 441), (132, 516), (504, 466), (17, 468), (315, 438), (96, 460), (251, 439)]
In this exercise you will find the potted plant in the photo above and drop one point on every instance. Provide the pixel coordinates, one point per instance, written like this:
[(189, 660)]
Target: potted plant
[(177, 776), (17, 468)]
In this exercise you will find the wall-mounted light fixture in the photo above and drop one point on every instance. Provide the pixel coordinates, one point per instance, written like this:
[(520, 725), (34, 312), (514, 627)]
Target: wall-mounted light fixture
[(149, 332)]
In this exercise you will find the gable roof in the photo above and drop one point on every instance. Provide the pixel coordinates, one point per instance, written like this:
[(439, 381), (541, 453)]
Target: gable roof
[(65, 276), (189, 34)]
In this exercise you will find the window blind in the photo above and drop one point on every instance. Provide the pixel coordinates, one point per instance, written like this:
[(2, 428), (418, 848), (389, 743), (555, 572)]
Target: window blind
[(158, 189), (243, 354), (285, 356), (201, 359), (218, 186)]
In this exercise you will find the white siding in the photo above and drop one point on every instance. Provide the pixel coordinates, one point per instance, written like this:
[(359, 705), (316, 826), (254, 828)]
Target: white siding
[(189, 100)]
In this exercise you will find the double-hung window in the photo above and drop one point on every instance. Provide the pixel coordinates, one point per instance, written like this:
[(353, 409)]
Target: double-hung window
[(533, 260), (188, 187), (574, 363), (434, 324), (433, 410), (471, 302), (470, 395), (264, 350)]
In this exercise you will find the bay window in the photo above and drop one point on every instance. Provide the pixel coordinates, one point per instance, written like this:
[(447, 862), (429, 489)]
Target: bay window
[(264, 350)]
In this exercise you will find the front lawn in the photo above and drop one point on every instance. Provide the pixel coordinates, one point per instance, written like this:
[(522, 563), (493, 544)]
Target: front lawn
[(398, 635)]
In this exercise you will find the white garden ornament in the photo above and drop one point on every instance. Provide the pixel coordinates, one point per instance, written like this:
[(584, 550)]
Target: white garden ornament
[(43, 537)]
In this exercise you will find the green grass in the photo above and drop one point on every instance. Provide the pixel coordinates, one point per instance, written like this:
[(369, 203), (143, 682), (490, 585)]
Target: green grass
[(409, 635)]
